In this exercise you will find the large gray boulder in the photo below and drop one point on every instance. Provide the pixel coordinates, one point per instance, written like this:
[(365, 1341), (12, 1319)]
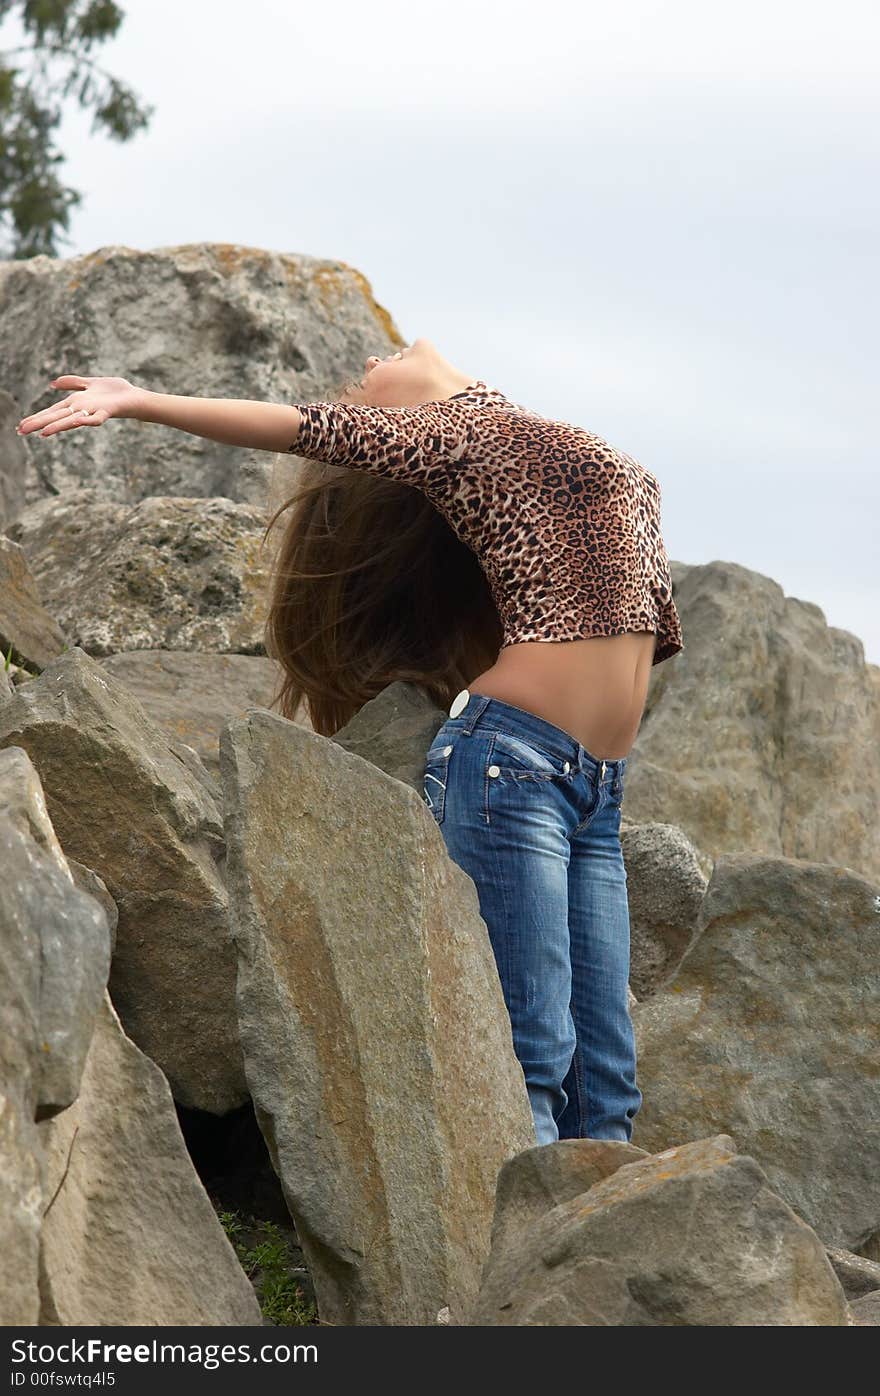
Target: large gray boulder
[(130, 1236), (60, 939), (534, 1181), (691, 1237), (128, 806), (203, 320), (377, 1044), (768, 1032), (665, 886), (763, 736), (54, 957), (167, 573), (394, 731)]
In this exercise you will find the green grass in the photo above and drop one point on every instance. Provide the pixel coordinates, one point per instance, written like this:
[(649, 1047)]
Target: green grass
[(25, 669), (265, 1256)]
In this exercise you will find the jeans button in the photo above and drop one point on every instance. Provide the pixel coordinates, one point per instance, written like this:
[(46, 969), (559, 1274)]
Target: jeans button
[(447, 750), (494, 770), (567, 768)]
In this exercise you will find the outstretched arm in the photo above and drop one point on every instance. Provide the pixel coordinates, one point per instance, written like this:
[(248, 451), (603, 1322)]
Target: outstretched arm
[(384, 440), (267, 426)]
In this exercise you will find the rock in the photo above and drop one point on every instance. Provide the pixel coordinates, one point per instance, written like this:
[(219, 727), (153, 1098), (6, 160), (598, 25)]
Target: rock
[(768, 1032), (22, 1187), (168, 573), (693, 1237), (208, 779), (128, 807), (857, 1275), (764, 735), (866, 1311), (665, 888), (58, 937), (203, 319), (534, 1181), (54, 956), (27, 630), (377, 1045), (191, 695), (6, 689), (870, 1246), (90, 882), (13, 455), (130, 1236), (394, 731)]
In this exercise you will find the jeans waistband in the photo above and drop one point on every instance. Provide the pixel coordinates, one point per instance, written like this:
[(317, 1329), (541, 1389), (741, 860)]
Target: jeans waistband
[(481, 713)]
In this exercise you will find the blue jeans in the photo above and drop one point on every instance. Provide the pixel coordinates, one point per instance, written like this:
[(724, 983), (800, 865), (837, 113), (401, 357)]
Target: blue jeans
[(534, 819)]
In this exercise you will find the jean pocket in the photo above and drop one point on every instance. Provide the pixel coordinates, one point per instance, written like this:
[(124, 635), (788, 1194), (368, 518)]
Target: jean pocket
[(520, 760), (435, 779)]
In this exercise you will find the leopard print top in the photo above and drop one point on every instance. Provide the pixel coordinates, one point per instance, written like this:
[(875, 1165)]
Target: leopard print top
[(565, 526)]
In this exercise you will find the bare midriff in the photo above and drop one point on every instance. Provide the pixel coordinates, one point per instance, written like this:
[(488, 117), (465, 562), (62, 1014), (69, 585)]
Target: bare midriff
[(594, 689)]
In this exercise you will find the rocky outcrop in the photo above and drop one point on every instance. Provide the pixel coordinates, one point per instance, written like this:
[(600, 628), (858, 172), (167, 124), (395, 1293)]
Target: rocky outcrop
[(168, 573), (769, 1032), (133, 582), (127, 806), (693, 1236), (763, 736), (130, 1236), (202, 320), (377, 1045)]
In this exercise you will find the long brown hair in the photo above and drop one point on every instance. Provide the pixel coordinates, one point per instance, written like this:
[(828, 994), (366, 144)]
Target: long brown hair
[(370, 585)]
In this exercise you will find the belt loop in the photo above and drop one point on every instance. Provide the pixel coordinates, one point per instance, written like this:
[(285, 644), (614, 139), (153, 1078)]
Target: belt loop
[(475, 706)]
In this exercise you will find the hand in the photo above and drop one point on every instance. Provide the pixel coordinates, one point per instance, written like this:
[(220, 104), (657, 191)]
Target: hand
[(92, 400)]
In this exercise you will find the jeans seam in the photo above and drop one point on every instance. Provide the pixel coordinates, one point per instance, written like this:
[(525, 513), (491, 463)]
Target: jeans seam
[(592, 813), (487, 762), (583, 1109)]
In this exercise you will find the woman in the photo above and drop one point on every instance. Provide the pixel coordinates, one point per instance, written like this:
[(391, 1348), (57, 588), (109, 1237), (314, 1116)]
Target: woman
[(513, 567)]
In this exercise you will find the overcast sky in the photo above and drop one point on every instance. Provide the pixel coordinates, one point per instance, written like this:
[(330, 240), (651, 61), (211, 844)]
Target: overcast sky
[(659, 220)]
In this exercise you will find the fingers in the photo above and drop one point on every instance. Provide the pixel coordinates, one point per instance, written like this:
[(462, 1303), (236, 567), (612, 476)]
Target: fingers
[(48, 414), (68, 381), (82, 418), (60, 418)]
